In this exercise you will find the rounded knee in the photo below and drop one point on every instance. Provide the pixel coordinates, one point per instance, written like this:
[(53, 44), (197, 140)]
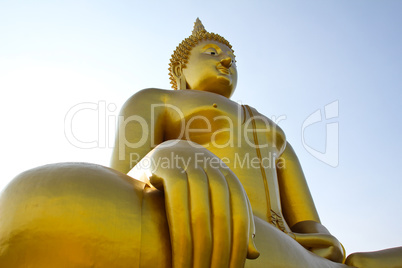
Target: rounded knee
[(84, 208)]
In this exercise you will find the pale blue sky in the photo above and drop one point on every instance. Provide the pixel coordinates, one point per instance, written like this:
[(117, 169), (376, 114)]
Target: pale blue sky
[(294, 57)]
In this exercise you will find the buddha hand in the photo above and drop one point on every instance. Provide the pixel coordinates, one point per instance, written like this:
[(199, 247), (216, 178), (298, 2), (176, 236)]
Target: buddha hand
[(209, 215), (322, 244)]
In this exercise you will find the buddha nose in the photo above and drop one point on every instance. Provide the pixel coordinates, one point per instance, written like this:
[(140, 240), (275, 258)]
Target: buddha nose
[(227, 62)]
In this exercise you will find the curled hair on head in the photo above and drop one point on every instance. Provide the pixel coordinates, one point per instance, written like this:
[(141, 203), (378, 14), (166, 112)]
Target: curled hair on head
[(183, 50)]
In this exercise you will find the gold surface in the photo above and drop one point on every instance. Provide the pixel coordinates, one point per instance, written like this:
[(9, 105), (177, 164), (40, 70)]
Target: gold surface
[(197, 180)]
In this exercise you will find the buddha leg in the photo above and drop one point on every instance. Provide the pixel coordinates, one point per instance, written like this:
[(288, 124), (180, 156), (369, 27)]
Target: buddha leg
[(81, 215), (84, 215), (277, 249), (387, 258)]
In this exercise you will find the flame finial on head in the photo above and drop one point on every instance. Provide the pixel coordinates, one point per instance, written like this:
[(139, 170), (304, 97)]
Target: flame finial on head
[(183, 50), (198, 27)]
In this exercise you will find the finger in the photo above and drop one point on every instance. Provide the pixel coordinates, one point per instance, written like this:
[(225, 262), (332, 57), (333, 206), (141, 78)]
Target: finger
[(200, 216), (175, 187), (315, 240), (240, 219), (327, 252), (333, 252), (221, 221), (252, 251)]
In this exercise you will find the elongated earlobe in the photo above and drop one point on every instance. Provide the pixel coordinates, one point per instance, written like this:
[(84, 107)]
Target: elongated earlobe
[(183, 83), (179, 76)]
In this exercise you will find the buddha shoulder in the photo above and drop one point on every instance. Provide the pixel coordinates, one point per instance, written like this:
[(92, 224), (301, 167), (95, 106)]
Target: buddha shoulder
[(143, 99)]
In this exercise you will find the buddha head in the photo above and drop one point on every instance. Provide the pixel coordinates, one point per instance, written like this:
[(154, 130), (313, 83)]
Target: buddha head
[(204, 61)]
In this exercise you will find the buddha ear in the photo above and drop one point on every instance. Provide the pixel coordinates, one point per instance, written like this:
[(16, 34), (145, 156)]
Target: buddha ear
[(178, 74)]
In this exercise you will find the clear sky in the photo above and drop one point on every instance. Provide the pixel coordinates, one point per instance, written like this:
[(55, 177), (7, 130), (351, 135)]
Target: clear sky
[(294, 58)]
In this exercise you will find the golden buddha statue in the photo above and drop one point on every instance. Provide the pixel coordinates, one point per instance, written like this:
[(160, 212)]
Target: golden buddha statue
[(197, 180)]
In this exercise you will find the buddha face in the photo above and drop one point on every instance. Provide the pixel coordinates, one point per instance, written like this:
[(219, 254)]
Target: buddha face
[(211, 67)]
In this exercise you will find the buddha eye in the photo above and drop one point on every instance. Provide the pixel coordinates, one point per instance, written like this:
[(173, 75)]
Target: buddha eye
[(211, 51)]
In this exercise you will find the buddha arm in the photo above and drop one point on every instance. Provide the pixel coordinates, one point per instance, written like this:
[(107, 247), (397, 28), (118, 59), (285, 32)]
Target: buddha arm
[(299, 209), (296, 200), (140, 129)]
